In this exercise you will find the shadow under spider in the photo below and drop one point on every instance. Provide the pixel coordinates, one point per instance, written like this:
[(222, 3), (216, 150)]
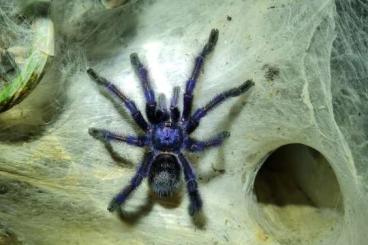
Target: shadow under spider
[(134, 216), (120, 160), (199, 220), (121, 110), (224, 125)]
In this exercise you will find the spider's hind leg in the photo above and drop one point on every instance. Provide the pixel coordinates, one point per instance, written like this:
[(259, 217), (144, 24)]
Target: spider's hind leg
[(195, 199), (141, 173)]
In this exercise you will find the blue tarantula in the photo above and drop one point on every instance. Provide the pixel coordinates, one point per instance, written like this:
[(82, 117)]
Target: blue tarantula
[(166, 135)]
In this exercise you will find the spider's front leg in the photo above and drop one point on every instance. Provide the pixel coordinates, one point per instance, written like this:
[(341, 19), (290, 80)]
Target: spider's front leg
[(192, 187), (105, 135), (149, 94), (201, 112), (129, 104), (141, 173), (196, 145), (190, 85)]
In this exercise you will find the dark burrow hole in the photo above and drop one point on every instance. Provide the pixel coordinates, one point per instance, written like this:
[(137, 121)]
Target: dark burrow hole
[(297, 189)]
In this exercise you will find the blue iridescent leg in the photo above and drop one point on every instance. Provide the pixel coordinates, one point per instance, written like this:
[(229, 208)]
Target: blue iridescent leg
[(217, 100), (194, 197), (190, 85), (106, 135), (140, 174), (217, 140), (174, 110), (130, 105), (149, 94)]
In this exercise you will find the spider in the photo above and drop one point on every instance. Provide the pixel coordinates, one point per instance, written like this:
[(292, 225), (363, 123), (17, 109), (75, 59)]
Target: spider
[(167, 132)]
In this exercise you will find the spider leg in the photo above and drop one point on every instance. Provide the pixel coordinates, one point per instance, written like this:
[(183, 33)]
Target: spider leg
[(174, 110), (162, 113), (149, 94), (141, 173), (192, 186), (217, 100), (217, 140), (106, 135), (188, 95), (130, 105)]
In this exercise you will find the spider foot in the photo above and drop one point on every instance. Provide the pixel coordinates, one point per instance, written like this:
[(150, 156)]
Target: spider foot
[(194, 209), (212, 40), (95, 77), (245, 86), (196, 204), (114, 205), (225, 134), (135, 61), (97, 134)]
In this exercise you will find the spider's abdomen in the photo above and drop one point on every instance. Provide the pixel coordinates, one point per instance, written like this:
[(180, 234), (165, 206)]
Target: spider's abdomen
[(167, 138), (164, 176)]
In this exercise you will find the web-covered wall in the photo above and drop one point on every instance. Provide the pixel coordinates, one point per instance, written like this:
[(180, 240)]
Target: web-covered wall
[(294, 170)]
